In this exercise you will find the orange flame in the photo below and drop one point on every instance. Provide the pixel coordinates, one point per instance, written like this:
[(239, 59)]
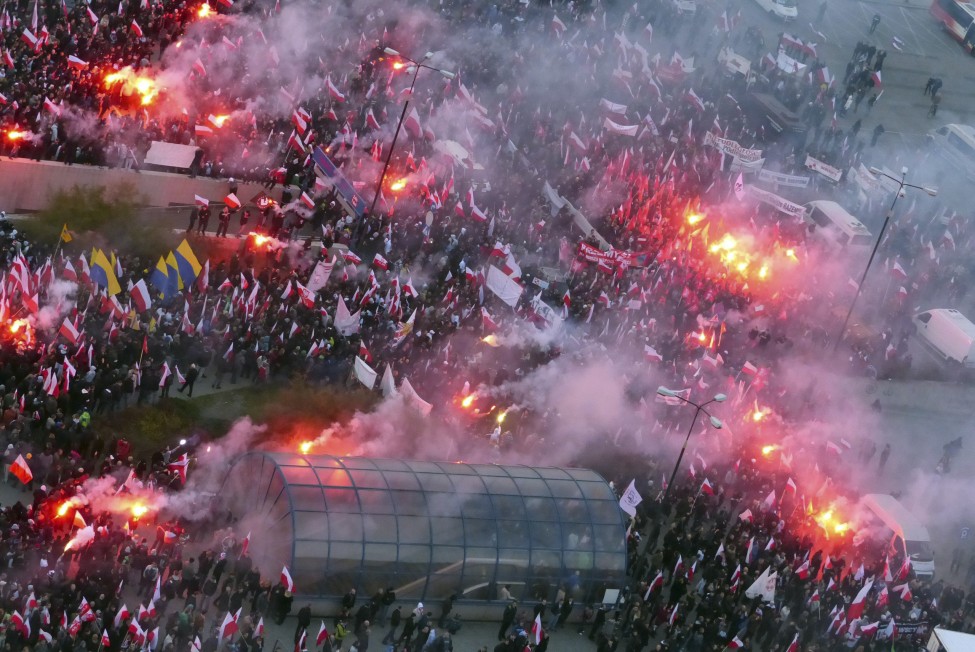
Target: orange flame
[(63, 509), (398, 185), (260, 240), (501, 417), (760, 414), (17, 325), (139, 510), (305, 447), (144, 86), (398, 65), (767, 450), (203, 11), (220, 119), (491, 340), (16, 135), (468, 400), (694, 218)]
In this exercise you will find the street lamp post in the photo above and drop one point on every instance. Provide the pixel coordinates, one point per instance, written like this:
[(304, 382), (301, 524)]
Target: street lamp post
[(715, 423), (901, 184), (417, 65)]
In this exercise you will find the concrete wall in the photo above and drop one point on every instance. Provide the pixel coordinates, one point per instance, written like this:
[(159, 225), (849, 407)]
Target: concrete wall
[(25, 186)]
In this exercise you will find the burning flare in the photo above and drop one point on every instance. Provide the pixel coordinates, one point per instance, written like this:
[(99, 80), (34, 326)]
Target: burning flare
[(17, 325), (203, 11), (491, 340), (467, 401), (145, 87), (220, 119), (501, 416), (759, 414), (769, 449), (305, 447), (139, 510), (398, 185), (829, 523), (17, 135)]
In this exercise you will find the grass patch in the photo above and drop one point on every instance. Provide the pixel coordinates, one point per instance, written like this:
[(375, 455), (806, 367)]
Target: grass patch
[(99, 216), (152, 427), (290, 410)]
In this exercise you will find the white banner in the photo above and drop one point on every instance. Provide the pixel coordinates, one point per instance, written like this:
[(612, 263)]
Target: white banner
[(781, 204), (319, 276), (778, 178), (623, 130), (824, 169), (171, 155), (750, 167), (732, 148), (503, 286), (365, 373), (788, 64)]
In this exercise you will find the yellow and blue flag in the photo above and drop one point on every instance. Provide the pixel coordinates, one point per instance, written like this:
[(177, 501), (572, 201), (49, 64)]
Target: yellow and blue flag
[(175, 282), (103, 274), (160, 276), (187, 264)]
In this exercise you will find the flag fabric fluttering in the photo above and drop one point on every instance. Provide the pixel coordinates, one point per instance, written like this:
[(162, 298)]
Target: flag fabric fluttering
[(630, 499)]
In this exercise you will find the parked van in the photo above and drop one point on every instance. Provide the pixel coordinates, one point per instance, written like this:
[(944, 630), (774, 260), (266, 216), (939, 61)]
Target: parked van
[(956, 144), (947, 334), (908, 537), (833, 222)]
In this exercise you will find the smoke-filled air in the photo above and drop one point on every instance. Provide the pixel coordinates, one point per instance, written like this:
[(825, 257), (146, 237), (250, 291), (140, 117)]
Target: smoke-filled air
[(670, 246)]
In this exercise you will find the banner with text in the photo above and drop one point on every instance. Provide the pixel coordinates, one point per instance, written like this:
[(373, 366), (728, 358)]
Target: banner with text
[(781, 204), (732, 148), (824, 169), (778, 178)]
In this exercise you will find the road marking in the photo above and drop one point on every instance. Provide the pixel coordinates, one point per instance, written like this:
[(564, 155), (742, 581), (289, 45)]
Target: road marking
[(908, 21)]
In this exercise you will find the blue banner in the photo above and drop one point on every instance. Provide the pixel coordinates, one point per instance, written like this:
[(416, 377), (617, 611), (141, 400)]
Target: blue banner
[(345, 189)]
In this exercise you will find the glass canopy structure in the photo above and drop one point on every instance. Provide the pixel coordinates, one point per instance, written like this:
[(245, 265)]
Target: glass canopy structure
[(427, 529)]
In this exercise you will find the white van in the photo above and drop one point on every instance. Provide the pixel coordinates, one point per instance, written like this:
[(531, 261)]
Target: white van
[(947, 334), (787, 10), (956, 144), (908, 537), (832, 222)]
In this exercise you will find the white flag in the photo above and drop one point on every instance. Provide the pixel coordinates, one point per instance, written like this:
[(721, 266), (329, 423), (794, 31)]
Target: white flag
[(740, 187), (630, 499), (387, 384), (365, 373), (414, 399), (764, 586)]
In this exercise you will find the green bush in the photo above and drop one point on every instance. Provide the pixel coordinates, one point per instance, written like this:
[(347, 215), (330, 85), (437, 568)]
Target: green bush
[(108, 217)]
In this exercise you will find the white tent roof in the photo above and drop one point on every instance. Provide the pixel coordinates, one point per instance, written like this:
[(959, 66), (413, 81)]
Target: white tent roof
[(955, 641)]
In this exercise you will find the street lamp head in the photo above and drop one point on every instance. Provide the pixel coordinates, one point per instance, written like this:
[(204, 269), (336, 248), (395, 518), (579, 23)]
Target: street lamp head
[(716, 422), (720, 398), (931, 191), (904, 170), (875, 170), (663, 391), (426, 56), (447, 74), (391, 52)]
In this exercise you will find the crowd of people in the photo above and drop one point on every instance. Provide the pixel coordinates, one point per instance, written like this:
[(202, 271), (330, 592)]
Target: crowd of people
[(411, 287)]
